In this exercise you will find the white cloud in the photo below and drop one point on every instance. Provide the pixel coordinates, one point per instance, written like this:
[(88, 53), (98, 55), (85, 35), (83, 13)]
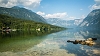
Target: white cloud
[(63, 15), (8, 3), (55, 15), (30, 4), (41, 13), (96, 5)]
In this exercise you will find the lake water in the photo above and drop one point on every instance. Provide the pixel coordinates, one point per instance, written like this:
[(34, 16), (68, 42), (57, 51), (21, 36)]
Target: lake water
[(49, 44)]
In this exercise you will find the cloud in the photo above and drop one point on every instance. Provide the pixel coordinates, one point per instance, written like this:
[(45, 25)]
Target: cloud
[(8, 3), (30, 4), (96, 5), (41, 13), (55, 15), (63, 15)]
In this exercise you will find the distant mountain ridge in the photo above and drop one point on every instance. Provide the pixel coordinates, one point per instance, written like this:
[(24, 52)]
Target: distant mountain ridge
[(22, 13), (64, 23), (92, 20)]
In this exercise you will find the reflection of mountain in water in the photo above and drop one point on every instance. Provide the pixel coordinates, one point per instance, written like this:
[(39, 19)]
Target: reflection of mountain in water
[(21, 40), (83, 50), (88, 42), (54, 44), (92, 33)]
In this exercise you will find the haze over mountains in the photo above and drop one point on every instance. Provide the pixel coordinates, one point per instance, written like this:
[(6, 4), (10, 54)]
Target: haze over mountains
[(64, 23), (92, 21)]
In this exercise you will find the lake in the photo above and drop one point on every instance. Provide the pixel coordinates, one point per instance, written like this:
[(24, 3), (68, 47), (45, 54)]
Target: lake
[(49, 44)]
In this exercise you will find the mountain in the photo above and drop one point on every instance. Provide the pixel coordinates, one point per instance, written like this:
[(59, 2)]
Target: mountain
[(92, 21), (22, 13), (64, 23), (56, 21), (21, 24)]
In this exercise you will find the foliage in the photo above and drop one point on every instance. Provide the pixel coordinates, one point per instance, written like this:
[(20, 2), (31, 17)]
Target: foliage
[(22, 24)]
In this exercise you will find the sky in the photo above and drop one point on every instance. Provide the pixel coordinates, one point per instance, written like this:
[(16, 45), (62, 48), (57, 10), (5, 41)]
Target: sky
[(63, 9)]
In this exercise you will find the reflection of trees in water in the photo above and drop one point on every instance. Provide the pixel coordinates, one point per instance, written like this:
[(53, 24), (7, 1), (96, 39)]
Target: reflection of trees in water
[(21, 40), (18, 41), (25, 33)]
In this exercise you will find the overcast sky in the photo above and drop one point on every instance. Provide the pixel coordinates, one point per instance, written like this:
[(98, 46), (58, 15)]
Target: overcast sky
[(64, 9)]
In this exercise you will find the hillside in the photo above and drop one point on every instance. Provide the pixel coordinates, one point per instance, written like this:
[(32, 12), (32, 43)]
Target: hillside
[(22, 13), (92, 21), (21, 24)]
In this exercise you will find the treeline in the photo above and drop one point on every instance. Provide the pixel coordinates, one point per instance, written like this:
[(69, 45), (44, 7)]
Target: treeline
[(21, 24)]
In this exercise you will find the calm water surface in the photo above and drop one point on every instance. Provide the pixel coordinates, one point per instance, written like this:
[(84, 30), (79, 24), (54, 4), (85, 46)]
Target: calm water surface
[(52, 44)]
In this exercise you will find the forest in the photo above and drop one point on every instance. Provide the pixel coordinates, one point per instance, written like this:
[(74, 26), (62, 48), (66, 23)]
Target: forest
[(23, 24)]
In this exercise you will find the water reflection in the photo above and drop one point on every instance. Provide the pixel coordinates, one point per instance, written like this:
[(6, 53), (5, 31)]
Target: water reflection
[(88, 42), (20, 40), (92, 33), (54, 44), (84, 50)]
